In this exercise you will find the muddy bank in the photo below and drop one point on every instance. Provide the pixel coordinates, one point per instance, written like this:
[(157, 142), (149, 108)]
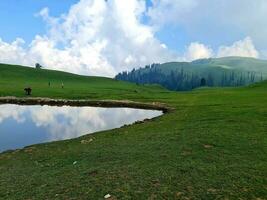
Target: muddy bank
[(93, 103)]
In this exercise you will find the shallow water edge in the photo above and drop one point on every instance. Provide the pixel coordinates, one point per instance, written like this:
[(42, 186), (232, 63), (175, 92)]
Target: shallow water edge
[(85, 102), (82, 103)]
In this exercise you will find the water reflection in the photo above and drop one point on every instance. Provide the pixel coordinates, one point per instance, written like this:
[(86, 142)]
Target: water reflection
[(25, 125)]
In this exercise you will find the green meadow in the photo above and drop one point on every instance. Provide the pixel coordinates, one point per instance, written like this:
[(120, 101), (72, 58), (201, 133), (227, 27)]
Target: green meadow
[(212, 145)]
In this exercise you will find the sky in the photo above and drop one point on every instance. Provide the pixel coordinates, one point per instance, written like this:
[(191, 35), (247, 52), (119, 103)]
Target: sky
[(104, 37)]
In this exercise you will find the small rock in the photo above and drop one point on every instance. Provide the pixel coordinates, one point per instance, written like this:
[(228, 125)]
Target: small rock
[(87, 141), (75, 162), (107, 196), (212, 190), (207, 146)]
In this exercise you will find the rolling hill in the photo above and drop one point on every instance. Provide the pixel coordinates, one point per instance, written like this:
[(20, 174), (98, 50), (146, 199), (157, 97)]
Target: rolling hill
[(14, 78), (228, 71)]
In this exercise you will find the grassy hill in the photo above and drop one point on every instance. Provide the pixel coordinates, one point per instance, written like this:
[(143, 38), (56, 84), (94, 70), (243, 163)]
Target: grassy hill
[(225, 63), (13, 79), (212, 146), (228, 71), (238, 63)]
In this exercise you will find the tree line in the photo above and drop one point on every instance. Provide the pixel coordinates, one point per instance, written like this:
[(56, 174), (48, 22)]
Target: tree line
[(182, 80)]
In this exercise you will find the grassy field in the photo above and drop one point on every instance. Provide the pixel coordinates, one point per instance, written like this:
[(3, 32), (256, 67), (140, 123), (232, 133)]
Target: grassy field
[(213, 146), (13, 79)]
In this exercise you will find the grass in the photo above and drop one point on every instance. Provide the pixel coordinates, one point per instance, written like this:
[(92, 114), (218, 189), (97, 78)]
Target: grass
[(14, 79), (213, 146)]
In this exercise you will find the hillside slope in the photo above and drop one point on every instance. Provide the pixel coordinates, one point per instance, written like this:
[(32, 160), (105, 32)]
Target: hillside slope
[(13, 79), (228, 71), (239, 63)]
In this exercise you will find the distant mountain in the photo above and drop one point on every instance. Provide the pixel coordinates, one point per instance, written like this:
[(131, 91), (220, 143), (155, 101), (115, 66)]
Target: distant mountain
[(227, 71)]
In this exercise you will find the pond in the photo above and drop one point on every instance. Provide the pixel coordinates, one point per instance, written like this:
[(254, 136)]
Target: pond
[(22, 126)]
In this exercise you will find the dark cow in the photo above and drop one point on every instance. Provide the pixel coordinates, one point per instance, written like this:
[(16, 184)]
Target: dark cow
[(28, 90)]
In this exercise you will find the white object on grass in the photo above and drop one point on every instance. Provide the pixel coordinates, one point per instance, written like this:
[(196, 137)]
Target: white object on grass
[(107, 196)]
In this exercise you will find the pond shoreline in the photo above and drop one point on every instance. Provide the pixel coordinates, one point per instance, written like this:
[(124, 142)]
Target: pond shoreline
[(36, 124), (85, 102)]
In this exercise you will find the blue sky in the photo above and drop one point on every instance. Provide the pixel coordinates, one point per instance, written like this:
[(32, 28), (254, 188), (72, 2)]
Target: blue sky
[(120, 35), (17, 17)]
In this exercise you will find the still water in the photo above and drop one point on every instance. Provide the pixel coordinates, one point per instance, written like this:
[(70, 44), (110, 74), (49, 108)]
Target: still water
[(21, 126)]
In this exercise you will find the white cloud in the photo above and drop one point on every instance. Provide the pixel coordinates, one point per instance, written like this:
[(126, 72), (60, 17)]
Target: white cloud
[(9, 53), (211, 19), (197, 51), (170, 11), (96, 37), (244, 48)]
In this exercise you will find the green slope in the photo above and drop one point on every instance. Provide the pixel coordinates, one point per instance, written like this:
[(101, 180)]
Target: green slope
[(236, 63), (213, 146), (221, 64), (227, 63), (13, 79), (217, 72)]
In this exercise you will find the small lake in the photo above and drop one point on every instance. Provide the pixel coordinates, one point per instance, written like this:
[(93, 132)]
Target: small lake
[(22, 126)]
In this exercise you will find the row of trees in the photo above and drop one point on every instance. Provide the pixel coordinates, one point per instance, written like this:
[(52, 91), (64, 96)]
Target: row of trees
[(184, 80)]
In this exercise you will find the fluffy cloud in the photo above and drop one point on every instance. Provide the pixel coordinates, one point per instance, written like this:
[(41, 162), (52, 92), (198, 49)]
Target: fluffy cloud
[(95, 37), (13, 51), (244, 48), (197, 51)]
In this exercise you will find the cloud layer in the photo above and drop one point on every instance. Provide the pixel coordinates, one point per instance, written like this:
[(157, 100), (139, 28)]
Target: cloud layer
[(214, 17), (99, 37)]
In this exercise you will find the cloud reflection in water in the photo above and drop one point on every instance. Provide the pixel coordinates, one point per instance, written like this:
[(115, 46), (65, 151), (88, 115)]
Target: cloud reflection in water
[(50, 123)]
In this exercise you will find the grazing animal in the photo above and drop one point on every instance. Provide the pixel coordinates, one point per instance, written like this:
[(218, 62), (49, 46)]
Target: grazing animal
[(28, 90)]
